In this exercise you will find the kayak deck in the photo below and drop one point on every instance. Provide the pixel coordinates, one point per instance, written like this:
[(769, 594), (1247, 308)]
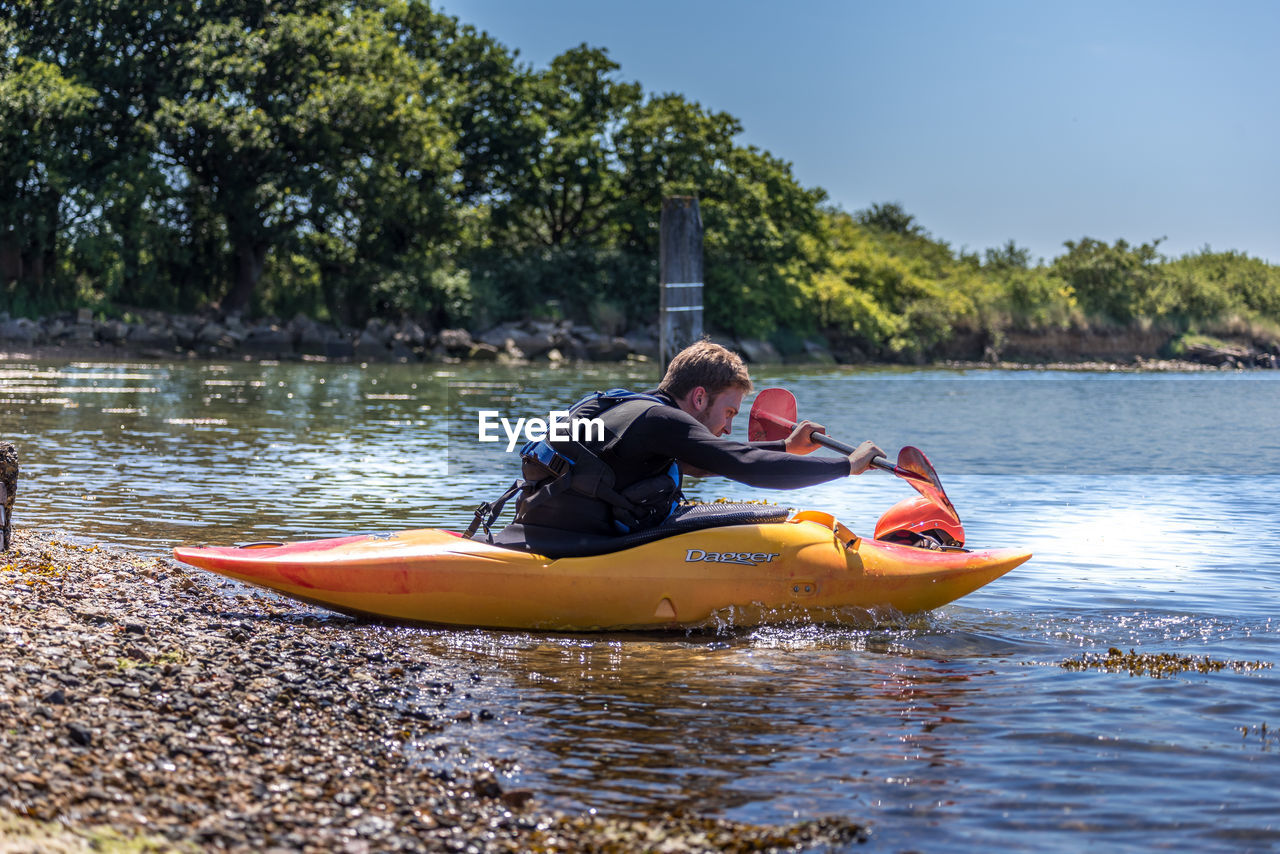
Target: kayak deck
[(809, 566)]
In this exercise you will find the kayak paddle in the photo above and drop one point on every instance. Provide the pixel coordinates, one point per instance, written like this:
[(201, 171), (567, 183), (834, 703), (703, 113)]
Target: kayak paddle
[(773, 417)]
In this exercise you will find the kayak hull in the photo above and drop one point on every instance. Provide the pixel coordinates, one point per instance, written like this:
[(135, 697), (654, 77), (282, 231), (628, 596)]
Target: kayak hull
[(808, 567)]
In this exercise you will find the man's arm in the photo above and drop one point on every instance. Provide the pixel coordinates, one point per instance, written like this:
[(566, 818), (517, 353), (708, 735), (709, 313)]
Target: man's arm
[(671, 431)]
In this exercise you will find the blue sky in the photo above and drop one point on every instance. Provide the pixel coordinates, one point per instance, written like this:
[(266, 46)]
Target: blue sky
[(989, 120)]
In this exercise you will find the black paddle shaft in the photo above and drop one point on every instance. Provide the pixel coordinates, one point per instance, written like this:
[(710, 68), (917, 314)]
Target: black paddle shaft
[(836, 445)]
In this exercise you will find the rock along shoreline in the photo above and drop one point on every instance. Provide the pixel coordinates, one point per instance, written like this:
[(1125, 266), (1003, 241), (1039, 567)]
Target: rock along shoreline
[(146, 706), (153, 334), (157, 335)]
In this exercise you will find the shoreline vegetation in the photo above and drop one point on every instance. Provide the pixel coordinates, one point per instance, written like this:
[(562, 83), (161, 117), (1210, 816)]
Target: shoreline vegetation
[(212, 336), (396, 176), (149, 707)]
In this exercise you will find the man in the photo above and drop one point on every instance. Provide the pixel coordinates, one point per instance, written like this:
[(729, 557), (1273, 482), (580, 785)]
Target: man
[(630, 479)]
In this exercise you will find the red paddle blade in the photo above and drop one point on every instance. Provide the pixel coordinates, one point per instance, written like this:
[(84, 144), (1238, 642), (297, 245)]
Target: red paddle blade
[(773, 415), (926, 481)]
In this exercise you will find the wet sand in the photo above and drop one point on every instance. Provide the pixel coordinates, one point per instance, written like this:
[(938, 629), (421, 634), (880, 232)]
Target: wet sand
[(147, 706)]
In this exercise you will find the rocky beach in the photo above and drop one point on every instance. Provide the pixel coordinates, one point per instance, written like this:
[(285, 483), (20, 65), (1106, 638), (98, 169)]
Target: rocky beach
[(145, 706)]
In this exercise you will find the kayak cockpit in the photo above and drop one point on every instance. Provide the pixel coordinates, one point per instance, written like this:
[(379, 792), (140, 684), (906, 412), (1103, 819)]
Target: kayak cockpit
[(557, 543)]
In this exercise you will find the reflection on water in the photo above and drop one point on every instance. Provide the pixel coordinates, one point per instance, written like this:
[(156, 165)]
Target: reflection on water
[(944, 737), (1148, 500)]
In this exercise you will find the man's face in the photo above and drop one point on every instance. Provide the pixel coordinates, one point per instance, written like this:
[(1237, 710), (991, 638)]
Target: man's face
[(714, 412)]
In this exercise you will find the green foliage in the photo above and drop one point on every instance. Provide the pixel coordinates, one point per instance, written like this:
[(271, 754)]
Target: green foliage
[(1183, 343), (580, 224), (1035, 298), (890, 218), (489, 94), (1009, 257), (1123, 283), (116, 238), (893, 294), (761, 229), (1110, 282), (314, 121), (41, 120), (291, 285), (760, 225), (569, 189), (1230, 283)]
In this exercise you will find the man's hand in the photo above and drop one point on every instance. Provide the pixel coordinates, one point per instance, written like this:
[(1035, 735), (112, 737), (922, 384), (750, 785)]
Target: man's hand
[(860, 459), (801, 439)]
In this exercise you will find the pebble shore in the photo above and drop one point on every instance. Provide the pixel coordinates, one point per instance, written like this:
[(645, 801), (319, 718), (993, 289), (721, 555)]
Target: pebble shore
[(145, 707)]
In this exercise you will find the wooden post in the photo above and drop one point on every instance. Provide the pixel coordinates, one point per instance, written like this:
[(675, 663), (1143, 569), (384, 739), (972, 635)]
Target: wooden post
[(8, 489), (680, 302)]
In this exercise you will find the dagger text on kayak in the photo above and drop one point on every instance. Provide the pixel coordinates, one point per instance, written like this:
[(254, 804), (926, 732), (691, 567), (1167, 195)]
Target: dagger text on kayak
[(744, 558)]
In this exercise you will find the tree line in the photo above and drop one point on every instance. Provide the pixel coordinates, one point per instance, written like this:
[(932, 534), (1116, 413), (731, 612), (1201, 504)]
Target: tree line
[(348, 159)]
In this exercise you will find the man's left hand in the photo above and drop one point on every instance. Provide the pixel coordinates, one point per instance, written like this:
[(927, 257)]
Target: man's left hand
[(801, 439)]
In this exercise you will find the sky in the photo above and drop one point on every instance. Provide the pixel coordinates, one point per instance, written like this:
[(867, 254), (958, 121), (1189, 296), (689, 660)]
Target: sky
[(988, 120)]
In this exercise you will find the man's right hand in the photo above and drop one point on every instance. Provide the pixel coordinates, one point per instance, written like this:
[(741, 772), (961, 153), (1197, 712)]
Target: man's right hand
[(860, 459)]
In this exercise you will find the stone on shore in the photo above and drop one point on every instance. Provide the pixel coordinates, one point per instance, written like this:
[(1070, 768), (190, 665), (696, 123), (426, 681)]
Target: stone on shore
[(152, 337), (1219, 355), (759, 352), (20, 331), (456, 342), (816, 352)]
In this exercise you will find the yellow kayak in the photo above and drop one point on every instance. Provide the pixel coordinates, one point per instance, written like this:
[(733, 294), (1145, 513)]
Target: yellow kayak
[(806, 565)]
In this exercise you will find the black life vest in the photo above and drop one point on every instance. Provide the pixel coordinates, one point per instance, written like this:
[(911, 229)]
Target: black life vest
[(572, 483)]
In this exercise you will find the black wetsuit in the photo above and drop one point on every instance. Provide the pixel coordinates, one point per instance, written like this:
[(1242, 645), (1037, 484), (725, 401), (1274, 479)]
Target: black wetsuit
[(663, 434), (668, 432)]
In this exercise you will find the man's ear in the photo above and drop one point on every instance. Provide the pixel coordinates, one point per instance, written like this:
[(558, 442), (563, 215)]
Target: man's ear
[(698, 397)]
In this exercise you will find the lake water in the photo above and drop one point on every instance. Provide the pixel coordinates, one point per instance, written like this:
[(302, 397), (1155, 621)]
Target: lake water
[(1149, 500)]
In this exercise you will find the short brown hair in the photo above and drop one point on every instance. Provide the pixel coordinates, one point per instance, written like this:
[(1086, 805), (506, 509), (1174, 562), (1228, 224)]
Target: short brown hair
[(708, 365)]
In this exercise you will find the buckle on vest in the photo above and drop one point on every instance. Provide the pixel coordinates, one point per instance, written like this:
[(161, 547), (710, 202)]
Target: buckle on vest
[(555, 462), (558, 464)]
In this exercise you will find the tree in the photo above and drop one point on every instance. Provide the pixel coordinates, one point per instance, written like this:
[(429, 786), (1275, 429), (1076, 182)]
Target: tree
[(891, 218), (1109, 281), (297, 121), (669, 146), (760, 224), (123, 54), (489, 107), (41, 161), (1011, 256), (568, 192)]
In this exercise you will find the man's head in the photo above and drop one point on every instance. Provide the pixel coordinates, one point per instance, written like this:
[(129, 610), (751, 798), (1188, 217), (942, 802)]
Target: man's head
[(708, 382)]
